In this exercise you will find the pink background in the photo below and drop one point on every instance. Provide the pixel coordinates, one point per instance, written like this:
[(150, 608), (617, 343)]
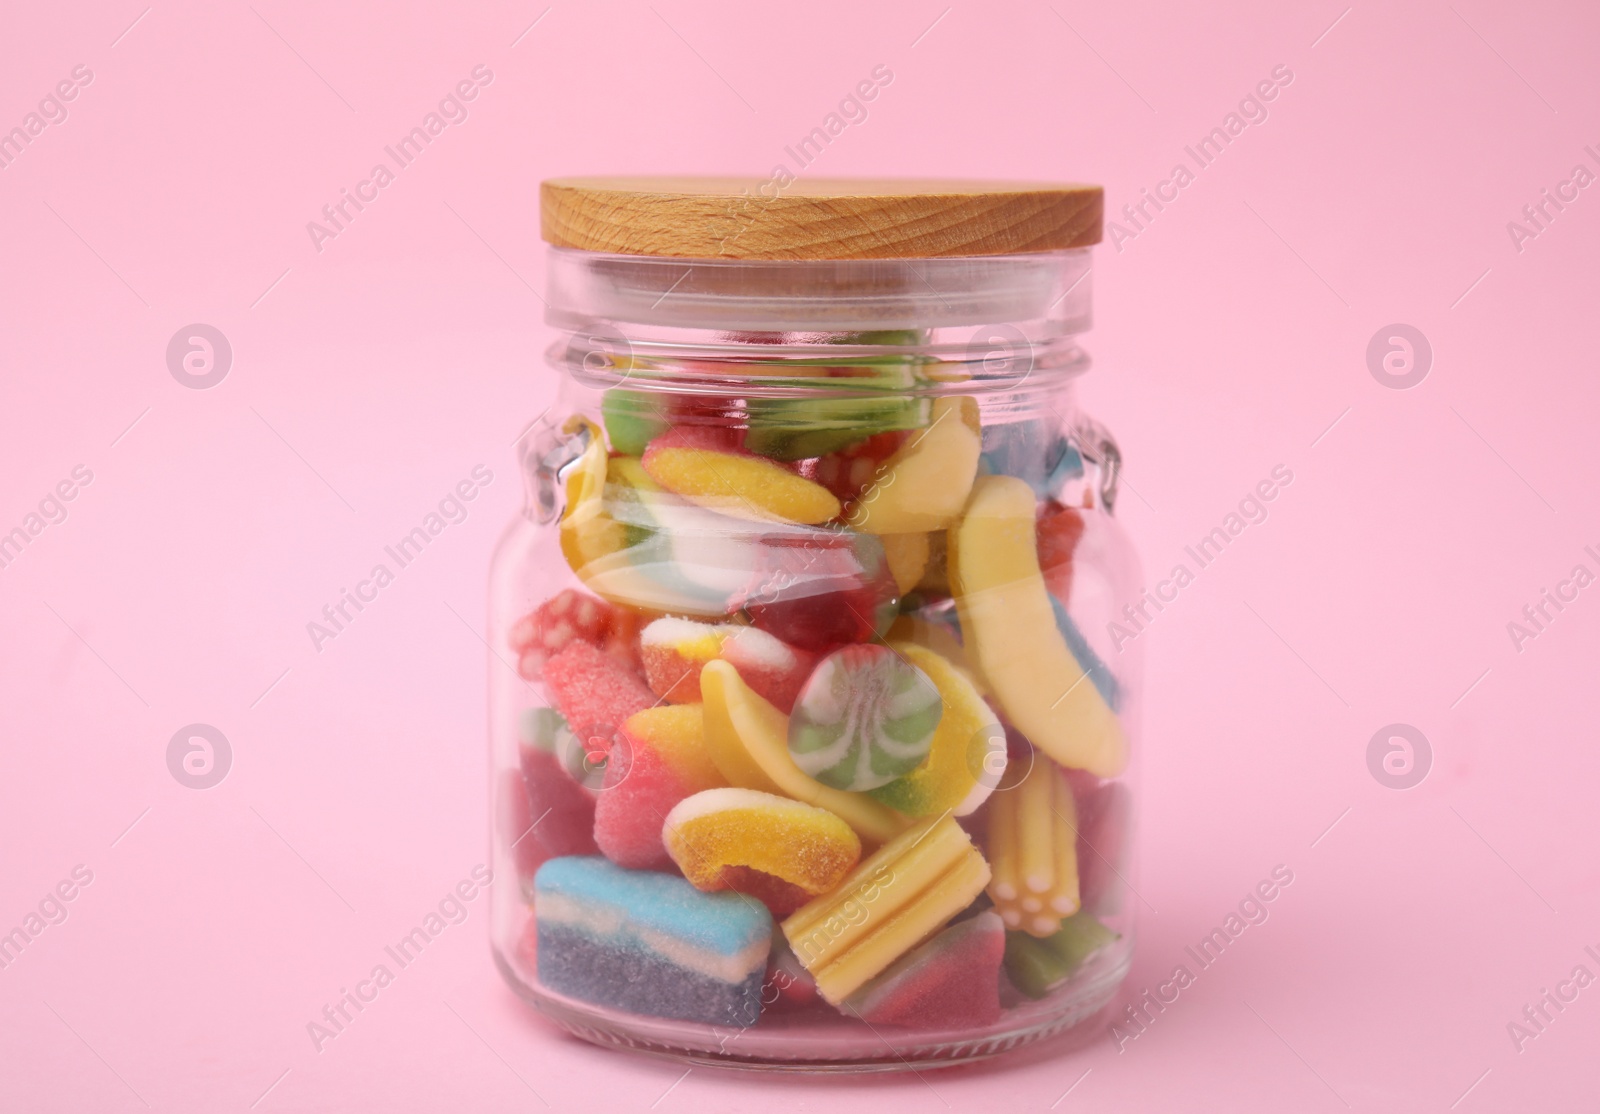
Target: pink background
[(370, 377)]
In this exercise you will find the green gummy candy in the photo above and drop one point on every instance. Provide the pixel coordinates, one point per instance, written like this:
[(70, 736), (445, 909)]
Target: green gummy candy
[(632, 419), (1037, 966)]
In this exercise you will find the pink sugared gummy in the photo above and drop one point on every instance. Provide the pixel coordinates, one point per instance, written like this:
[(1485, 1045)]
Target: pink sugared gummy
[(570, 616), (675, 650), (951, 982), (595, 693), (658, 759)]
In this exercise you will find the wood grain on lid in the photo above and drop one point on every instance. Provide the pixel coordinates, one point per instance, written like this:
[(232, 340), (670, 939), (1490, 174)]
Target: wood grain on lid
[(818, 218)]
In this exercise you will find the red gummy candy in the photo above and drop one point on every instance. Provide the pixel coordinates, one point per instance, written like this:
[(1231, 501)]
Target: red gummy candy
[(1059, 529), (658, 759), (595, 694), (779, 896), (951, 982), (847, 473), (563, 810), (571, 616), (822, 589), (1103, 820)]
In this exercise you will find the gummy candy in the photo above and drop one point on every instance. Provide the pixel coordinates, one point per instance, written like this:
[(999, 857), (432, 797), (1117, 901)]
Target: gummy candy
[(1103, 831), (545, 730), (649, 942), (561, 812), (718, 829), (701, 466), (968, 753), (595, 693), (675, 650), (907, 557), (1033, 847), (924, 485), (749, 741), (865, 717), (1009, 630), (1038, 965), (822, 589), (567, 616), (1033, 451), (950, 982), (659, 758), (847, 473), (1059, 529), (894, 900), (1099, 672)]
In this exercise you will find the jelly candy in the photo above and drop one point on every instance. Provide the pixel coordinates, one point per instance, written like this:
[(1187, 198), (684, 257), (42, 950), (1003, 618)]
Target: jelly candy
[(968, 753), (595, 693), (1099, 672), (950, 982), (675, 650), (865, 717), (924, 485), (561, 812), (893, 900), (879, 400), (567, 616), (1033, 847), (788, 982), (907, 557), (1059, 529), (719, 830), (1037, 965), (659, 758), (1033, 451), (632, 419), (587, 533), (702, 467), (650, 943), (849, 472), (749, 741), (1009, 630), (822, 589)]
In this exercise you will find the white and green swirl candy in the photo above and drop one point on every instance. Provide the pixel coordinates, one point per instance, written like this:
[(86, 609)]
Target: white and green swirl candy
[(865, 717)]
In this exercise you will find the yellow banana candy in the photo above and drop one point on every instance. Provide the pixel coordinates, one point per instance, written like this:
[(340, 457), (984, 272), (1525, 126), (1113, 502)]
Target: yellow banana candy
[(893, 901), (1033, 844)]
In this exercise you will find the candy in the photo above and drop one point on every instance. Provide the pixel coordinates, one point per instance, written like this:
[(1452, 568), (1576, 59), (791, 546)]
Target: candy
[(567, 616), (1103, 831), (924, 485), (545, 730), (879, 400), (907, 557), (1010, 633), (632, 419), (822, 589), (968, 752), (787, 981), (748, 740), (659, 758), (1098, 671), (702, 467), (893, 900), (649, 943), (849, 472), (675, 650), (1059, 529), (1033, 847), (594, 693), (951, 982), (1033, 451), (935, 630), (719, 830), (865, 717), (587, 533), (513, 818), (1036, 966)]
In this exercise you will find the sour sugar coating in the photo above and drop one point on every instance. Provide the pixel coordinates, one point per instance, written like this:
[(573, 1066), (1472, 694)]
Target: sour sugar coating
[(569, 616), (659, 758), (1033, 846), (894, 900), (595, 693), (676, 650), (951, 982), (967, 755), (865, 717), (721, 829), (649, 943)]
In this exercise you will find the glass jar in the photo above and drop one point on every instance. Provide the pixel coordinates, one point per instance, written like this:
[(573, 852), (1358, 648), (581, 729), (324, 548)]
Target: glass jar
[(811, 737)]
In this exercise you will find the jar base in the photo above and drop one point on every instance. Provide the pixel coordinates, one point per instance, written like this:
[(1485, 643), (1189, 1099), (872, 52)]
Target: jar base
[(819, 1040)]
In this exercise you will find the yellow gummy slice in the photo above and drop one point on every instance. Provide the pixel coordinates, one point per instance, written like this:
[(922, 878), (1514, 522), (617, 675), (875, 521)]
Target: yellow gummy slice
[(719, 828), (739, 485)]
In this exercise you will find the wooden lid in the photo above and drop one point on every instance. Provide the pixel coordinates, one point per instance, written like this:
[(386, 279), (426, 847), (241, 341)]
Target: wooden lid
[(816, 218)]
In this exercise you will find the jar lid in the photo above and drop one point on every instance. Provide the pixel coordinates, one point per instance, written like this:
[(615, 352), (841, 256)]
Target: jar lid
[(817, 218)]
